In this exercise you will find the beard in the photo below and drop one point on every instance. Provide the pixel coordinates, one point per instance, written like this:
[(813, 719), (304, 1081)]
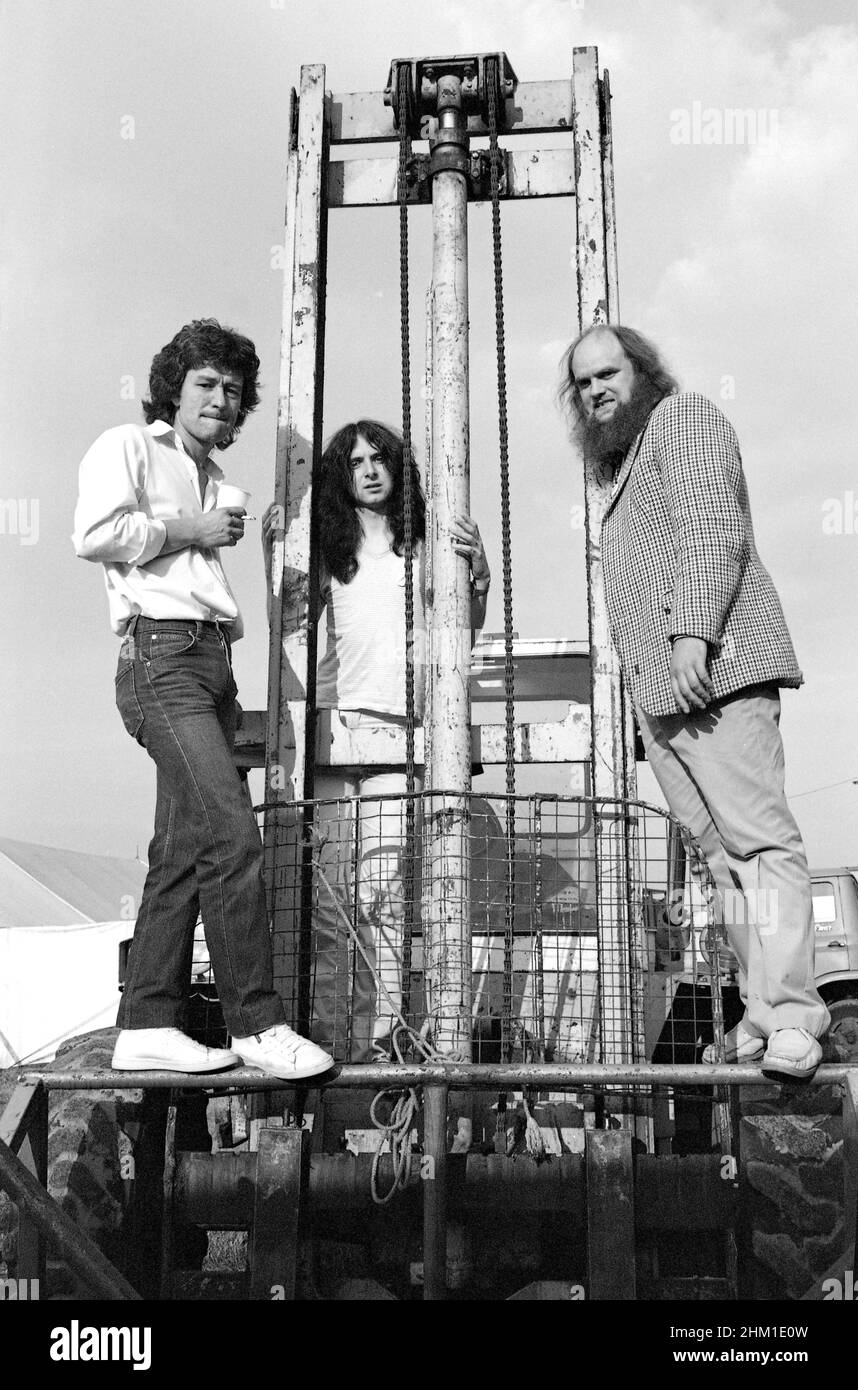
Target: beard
[(606, 442)]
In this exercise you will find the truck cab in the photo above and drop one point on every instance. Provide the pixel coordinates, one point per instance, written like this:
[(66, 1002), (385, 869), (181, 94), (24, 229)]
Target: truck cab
[(835, 921)]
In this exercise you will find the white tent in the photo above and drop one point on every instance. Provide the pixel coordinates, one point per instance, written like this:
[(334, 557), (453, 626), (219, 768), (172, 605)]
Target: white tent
[(62, 917)]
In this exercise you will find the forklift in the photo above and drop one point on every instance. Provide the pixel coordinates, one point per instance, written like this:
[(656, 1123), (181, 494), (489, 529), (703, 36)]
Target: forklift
[(541, 1127)]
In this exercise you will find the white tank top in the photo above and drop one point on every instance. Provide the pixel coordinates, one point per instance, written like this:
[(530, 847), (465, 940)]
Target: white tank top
[(364, 664)]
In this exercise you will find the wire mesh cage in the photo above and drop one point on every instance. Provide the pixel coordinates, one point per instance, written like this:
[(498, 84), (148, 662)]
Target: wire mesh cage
[(533, 928)]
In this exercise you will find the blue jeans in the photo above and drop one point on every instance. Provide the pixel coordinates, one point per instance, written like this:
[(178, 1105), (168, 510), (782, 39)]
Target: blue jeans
[(176, 694)]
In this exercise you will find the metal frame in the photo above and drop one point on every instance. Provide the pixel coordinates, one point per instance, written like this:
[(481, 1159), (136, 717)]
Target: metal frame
[(316, 182), (618, 1191), (630, 1193)]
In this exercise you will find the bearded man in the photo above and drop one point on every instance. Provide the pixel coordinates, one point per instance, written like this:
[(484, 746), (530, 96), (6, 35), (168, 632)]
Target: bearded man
[(704, 648)]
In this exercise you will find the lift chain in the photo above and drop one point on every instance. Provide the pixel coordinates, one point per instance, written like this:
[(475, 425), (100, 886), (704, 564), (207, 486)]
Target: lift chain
[(402, 96), (492, 86)]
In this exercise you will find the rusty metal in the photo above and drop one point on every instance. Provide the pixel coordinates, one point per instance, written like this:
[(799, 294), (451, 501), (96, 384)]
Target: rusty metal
[(536, 741), (608, 750), (683, 1192), (434, 1176), (493, 87), (22, 1112), (168, 1210), (277, 1194), (446, 922), (536, 108), (610, 1215), (216, 1190), (672, 1193), (356, 183), (609, 200), (76, 1249), (404, 95), (24, 1127), (478, 78), (298, 440), (292, 655), (457, 1075)]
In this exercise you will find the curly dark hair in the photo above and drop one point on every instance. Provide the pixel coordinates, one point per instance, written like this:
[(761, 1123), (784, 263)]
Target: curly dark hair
[(337, 525), (643, 355), (202, 343)]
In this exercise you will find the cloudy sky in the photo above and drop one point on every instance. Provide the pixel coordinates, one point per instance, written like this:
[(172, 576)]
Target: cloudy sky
[(143, 170)]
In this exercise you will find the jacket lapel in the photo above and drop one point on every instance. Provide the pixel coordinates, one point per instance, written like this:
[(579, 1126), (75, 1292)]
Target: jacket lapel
[(626, 467)]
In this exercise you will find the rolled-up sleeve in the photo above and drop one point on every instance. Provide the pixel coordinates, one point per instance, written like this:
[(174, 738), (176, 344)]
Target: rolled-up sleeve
[(112, 523)]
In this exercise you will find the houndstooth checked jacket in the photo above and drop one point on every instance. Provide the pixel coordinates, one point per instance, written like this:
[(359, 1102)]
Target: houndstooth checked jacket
[(679, 559)]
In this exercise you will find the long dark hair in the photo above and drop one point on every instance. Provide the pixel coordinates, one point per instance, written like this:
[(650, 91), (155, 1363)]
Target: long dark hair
[(643, 355), (338, 529), (202, 343)]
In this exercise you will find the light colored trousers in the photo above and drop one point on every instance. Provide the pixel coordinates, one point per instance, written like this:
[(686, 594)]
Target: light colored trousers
[(360, 876), (722, 772)]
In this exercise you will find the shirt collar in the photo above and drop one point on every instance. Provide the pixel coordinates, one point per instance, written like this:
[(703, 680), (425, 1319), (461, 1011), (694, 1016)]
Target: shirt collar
[(160, 429)]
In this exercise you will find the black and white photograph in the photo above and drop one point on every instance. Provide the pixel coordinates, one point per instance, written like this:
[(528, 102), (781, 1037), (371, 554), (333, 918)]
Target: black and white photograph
[(429, 532)]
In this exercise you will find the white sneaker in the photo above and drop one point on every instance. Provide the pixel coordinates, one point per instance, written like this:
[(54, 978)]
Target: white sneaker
[(793, 1053), (167, 1049), (739, 1046), (279, 1051)]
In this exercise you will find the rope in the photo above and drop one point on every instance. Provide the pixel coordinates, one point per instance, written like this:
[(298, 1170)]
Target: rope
[(403, 80), (492, 88), (524, 1131), (396, 1132), (533, 1140)]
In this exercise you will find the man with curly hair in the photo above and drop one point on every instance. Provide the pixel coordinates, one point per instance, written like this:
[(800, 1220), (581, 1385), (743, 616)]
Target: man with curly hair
[(704, 648), (148, 512)]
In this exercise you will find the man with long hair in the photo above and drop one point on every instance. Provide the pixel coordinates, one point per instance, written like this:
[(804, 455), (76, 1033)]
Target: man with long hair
[(704, 647), (358, 514), (148, 511)]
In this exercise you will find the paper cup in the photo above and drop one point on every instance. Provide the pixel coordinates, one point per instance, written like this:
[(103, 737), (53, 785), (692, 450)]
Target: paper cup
[(229, 496)]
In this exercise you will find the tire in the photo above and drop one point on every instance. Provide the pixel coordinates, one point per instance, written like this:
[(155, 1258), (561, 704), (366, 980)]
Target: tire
[(843, 1032), (791, 1174), (8, 1211), (93, 1137), (88, 1155), (86, 1147)]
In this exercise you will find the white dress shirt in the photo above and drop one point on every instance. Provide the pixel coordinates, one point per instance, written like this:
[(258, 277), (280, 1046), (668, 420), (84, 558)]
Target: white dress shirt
[(133, 480)]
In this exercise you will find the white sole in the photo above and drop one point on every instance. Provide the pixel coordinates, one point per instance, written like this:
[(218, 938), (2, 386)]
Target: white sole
[(159, 1064), (776, 1070), (732, 1061), (301, 1074)]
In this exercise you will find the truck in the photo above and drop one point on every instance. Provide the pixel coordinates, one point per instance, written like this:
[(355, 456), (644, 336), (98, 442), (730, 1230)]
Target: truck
[(677, 951), (835, 920)]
